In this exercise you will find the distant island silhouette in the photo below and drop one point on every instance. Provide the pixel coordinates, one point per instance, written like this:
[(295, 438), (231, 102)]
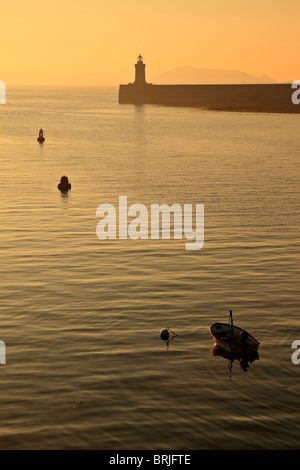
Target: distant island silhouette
[(249, 93), (197, 76)]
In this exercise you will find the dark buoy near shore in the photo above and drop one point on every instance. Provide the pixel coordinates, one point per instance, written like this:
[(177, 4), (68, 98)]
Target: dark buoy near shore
[(64, 184), (41, 137)]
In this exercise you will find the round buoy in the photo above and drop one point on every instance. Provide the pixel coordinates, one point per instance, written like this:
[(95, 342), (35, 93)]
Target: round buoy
[(164, 335)]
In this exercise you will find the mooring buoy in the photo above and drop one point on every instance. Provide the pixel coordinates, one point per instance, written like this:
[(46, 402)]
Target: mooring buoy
[(164, 334)]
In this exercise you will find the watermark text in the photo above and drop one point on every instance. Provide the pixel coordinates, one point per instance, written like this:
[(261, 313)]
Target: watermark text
[(296, 94), (295, 358), (160, 217), (2, 352), (2, 92)]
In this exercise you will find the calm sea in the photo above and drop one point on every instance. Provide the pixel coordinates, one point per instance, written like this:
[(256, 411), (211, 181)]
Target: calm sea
[(81, 318)]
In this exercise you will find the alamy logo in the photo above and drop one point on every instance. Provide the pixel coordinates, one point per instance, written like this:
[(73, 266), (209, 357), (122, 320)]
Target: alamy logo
[(138, 227), (296, 94), (2, 352), (2, 92), (295, 358)]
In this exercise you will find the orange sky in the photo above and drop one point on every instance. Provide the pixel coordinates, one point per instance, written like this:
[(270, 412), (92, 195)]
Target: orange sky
[(96, 42)]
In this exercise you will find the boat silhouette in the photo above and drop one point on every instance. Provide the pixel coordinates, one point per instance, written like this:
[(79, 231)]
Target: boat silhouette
[(232, 338)]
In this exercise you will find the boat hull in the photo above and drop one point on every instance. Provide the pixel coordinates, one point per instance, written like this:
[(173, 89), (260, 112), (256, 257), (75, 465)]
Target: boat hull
[(227, 337), (249, 355)]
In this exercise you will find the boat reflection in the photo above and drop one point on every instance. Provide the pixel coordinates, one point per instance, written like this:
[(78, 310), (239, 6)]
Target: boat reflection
[(244, 359)]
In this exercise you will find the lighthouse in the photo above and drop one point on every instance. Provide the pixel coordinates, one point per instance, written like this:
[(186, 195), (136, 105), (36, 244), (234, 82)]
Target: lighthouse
[(140, 77)]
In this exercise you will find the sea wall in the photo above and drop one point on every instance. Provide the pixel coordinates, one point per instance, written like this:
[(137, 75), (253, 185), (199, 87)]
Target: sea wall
[(252, 97)]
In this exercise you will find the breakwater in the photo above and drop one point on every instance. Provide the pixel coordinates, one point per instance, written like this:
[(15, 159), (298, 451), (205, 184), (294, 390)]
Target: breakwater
[(231, 97)]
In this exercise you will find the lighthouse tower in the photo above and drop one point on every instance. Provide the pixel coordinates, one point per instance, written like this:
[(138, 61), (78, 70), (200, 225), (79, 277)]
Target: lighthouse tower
[(140, 77)]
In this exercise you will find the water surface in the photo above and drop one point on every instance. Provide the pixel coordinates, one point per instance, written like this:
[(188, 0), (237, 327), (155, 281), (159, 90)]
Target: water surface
[(86, 368)]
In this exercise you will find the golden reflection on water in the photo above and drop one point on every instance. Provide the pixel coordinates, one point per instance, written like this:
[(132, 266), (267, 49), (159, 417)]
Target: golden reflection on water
[(81, 318)]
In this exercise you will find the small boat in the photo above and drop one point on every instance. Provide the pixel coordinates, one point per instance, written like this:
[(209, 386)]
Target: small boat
[(233, 339), (41, 137), (64, 184)]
